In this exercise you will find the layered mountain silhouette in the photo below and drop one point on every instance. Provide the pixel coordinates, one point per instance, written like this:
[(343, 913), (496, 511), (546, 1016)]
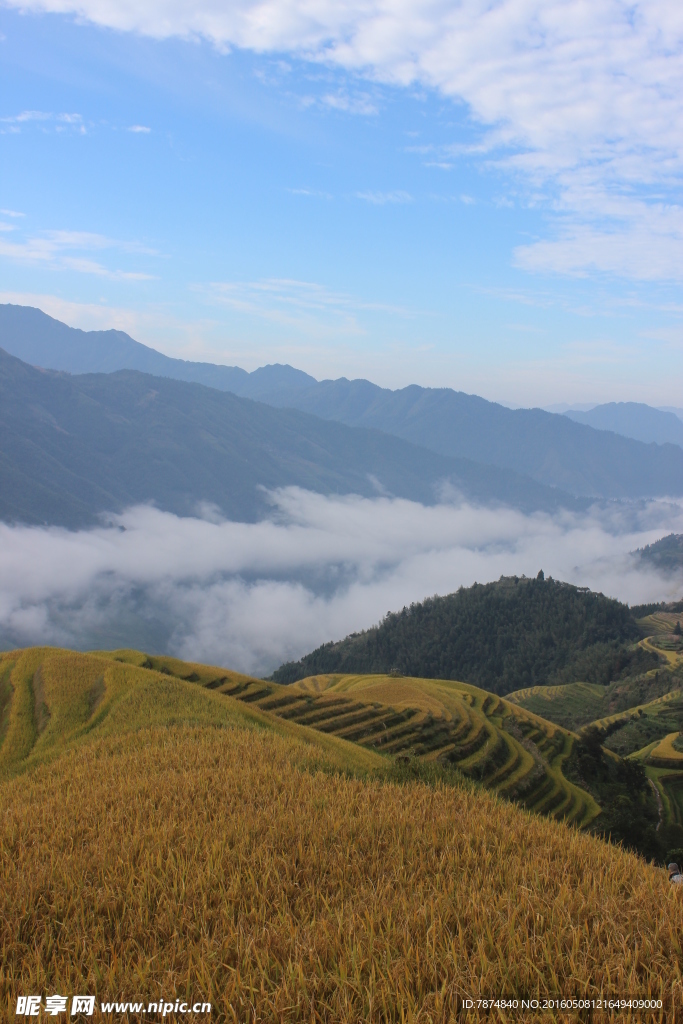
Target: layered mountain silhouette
[(550, 449), (74, 446), (633, 419)]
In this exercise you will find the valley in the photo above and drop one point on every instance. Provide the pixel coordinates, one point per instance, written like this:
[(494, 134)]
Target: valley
[(341, 512)]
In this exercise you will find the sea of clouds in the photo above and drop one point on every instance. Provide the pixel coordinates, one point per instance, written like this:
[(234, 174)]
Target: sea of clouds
[(252, 595)]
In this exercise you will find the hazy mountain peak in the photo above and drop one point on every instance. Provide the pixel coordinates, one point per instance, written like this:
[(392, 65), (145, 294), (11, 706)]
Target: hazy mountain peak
[(635, 420)]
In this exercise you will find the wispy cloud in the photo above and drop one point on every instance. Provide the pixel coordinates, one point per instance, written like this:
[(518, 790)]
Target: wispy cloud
[(351, 104), (249, 596), (381, 198), (314, 193), (302, 304), (47, 120), (139, 129), (64, 250), (626, 237)]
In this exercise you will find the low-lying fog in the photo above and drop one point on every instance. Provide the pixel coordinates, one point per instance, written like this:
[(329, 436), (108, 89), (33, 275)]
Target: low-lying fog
[(249, 596)]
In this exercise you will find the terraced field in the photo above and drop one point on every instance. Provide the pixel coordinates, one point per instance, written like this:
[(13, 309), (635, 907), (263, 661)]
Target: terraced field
[(61, 697), (579, 706), (661, 638), (56, 700), (509, 750), (668, 705), (570, 705), (161, 836), (666, 753)]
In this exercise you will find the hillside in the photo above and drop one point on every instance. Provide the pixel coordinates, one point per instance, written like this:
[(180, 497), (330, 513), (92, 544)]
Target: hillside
[(52, 701), (423, 728), (75, 446), (639, 718), (551, 449), (441, 723), (169, 839), (577, 705), (500, 636), (628, 700)]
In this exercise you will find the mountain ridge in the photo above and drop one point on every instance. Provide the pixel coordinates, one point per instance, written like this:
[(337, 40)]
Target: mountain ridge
[(550, 448), (633, 419), (76, 446)]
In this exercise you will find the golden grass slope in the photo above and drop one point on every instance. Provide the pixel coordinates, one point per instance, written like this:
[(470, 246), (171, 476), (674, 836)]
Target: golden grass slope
[(224, 865), (58, 699), (158, 835)]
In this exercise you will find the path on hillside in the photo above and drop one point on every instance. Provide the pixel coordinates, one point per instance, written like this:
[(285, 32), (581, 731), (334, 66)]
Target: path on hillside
[(660, 805)]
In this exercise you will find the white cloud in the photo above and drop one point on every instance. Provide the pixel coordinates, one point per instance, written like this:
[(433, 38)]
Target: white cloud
[(638, 240), (562, 89), (249, 596), (30, 115), (139, 129)]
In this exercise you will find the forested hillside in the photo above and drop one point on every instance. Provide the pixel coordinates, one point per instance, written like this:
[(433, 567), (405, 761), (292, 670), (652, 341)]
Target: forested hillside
[(665, 554), (500, 636)]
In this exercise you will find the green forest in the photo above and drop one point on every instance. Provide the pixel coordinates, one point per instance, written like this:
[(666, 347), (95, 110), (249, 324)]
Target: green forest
[(501, 636)]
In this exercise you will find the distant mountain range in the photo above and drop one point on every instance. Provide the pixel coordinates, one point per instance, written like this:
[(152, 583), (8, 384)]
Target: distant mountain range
[(633, 419), (553, 450), (74, 446)]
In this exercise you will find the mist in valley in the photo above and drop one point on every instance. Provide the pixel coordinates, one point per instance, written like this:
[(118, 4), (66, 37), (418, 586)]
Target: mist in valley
[(252, 595)]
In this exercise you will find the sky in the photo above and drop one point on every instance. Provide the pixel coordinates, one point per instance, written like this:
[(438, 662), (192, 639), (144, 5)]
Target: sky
[(483, 194), (252, 595)]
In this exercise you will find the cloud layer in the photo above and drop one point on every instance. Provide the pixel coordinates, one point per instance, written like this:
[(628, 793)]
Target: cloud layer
[(250, 596), (580, 98)]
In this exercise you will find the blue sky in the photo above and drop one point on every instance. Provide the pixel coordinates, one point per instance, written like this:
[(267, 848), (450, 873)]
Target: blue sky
[(480, 195)]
